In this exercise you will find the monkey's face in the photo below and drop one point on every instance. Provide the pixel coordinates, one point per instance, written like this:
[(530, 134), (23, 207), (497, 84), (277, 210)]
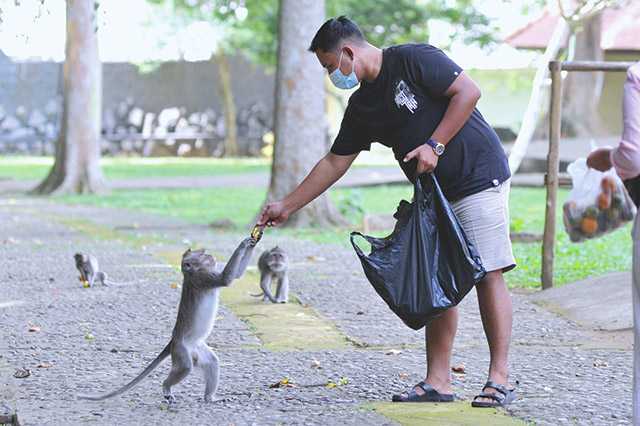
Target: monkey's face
[(277, 260), (197, 262)]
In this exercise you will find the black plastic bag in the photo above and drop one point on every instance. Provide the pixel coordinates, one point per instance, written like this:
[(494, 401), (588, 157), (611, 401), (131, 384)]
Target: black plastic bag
[(426, 265)]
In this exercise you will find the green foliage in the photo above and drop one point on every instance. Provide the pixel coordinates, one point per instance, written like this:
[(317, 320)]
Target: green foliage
[(350, 204), (251, 26), (388, 22)]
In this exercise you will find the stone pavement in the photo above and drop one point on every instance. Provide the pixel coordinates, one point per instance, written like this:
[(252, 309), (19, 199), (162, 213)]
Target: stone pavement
[(76, 340)]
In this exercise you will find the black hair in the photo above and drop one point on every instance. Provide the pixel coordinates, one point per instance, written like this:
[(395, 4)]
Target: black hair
[(334, 31)]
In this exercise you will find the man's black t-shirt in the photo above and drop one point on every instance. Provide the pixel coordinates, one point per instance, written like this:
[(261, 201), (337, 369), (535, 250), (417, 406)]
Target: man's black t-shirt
[(401, 109)]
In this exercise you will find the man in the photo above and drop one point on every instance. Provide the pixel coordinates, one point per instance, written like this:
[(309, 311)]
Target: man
[(414, 99), (626, 160)]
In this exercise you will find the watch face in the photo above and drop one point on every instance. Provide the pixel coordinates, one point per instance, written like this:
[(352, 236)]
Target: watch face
[(439, 149)]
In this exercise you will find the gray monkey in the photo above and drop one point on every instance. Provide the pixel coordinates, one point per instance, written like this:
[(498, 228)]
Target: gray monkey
[(89, 270), (196, 315), (274, 265)]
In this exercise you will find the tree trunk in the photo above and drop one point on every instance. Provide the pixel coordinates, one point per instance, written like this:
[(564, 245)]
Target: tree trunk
[(583, 89), (300, 124), (535, 105), (77, 161), (228, 104)]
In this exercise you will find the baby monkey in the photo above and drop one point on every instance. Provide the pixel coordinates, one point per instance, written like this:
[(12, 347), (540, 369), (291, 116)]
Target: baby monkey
[(89, 270), (274, 265), (197, 311)]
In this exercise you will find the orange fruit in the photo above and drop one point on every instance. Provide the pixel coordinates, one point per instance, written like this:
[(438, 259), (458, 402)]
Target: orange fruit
[(589, 226), (608, 184), (604, 200)]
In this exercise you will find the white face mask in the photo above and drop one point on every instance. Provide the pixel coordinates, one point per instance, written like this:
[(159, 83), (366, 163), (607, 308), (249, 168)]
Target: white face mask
[(342, 81)]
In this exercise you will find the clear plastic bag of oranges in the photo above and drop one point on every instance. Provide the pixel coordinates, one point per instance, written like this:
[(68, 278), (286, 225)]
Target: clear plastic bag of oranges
[(597, 204)]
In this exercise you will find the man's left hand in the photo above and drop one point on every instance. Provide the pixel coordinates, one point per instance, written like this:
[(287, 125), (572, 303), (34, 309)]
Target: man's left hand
[(600, 159), (427, 159)]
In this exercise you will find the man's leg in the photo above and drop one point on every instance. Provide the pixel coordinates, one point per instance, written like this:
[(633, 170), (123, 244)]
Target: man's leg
[(497, 315), (439, 336)]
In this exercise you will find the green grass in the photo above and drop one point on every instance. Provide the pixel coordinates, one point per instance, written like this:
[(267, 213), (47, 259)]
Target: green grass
[(574, 261), (35, 168)]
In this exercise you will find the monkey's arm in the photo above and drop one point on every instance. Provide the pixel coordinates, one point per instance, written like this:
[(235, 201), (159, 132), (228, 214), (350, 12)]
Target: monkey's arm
[(237, 263)]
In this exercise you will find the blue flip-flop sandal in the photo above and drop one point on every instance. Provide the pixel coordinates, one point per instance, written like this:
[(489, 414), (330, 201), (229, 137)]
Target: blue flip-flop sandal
[(430, 395), (501, 398)]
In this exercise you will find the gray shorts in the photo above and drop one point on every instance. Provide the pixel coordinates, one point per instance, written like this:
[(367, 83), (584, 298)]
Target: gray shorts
[(485, 219)]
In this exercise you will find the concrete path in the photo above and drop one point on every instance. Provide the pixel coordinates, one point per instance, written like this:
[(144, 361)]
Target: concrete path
[(76, 340), (599, 303)]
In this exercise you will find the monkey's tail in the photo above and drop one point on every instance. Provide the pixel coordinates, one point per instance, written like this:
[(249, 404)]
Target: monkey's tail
[(265, 293), (165, 353)]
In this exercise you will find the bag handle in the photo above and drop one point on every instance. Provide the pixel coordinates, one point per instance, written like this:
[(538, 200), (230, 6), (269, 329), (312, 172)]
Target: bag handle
[(418, 189), (358, 250)]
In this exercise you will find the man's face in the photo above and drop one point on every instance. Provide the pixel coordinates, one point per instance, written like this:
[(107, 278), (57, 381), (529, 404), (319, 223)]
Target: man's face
[(331, 60)]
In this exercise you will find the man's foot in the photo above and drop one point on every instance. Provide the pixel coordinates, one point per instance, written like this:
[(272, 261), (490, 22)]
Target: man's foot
[(494, 395), (424, 392)]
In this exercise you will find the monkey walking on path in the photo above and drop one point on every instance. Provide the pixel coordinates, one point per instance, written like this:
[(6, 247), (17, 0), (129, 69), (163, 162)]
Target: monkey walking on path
[(196, 315), (273, 265)]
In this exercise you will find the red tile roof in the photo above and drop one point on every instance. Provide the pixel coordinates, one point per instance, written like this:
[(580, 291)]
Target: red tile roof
[(621, 30)]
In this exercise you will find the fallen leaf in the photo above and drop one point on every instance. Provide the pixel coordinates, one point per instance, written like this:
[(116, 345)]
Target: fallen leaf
[(22, 373), (44, 365), (175, 285), (315, 364), (34, 328), (89, 336), (403, 376), (343, 381), (459, 368), (393, 352)]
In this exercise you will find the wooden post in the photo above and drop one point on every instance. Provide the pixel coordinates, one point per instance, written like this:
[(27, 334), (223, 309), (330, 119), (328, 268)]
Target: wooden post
[(553, 166)]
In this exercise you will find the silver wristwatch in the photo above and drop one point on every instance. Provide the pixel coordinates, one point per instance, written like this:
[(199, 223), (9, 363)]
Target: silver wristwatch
[(437, 147)]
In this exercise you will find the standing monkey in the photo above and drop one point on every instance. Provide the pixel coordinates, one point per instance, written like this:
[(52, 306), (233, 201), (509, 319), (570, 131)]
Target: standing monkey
[(196, 315), (274, 265)]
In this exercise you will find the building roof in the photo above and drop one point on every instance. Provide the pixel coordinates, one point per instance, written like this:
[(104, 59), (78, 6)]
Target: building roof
[(621, 30)]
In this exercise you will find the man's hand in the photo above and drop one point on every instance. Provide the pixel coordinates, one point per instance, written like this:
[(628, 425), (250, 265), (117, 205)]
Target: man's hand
[(273, 214), (600, 159), (427, 159)]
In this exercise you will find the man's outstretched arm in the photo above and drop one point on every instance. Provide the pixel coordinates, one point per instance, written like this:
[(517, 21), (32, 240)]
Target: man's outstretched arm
[(324, 174)]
